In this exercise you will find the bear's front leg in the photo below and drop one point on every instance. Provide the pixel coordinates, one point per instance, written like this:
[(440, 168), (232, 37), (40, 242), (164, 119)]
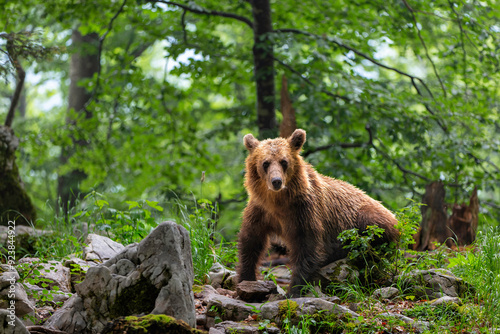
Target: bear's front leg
[(252, 241), (306, 254)]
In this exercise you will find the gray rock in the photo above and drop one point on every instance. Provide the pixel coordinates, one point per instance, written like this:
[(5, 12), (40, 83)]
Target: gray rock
[(219, 274), (7, 276), (70, 318), (10, 324), (418, 325), (154, 276), (23, 305), (230, 309), (231, 327), (100, 248), (338, 272), (433, 283), (255, 291), (21, 230), (296, 307), (386, 293), (452, 301)]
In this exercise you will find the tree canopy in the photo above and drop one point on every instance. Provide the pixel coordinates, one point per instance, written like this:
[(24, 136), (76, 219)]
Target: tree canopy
[(393, 95)]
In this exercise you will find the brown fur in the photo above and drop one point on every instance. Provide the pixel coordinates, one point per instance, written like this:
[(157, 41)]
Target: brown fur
[(307, 210)]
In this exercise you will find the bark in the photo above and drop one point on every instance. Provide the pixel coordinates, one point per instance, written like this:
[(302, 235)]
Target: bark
[(289, 124), (19, 86), (84, 64), (14, 201), (464, 220), (433, 227), (264, 68)]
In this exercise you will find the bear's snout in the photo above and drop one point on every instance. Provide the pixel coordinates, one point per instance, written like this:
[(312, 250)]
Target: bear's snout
[(277, 182)]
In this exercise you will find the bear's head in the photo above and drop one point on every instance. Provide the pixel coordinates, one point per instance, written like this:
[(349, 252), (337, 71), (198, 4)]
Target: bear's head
[(273, 162)]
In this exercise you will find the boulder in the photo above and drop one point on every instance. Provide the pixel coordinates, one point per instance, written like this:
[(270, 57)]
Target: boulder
[(386, 293), (9, 287), (10, 324), (446, 300), (433, 283), (419, 326), (255, 291), (340, 271), (100, 248), (218, 276), (154, 276), (231, 327)]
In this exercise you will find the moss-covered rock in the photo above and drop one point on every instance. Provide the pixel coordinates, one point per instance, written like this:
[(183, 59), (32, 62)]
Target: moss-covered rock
[(149, 324)]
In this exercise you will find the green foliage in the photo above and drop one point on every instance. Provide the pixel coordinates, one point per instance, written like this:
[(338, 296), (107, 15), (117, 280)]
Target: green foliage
[(482, 269), (124, 226), (200, 221), (34, 273)]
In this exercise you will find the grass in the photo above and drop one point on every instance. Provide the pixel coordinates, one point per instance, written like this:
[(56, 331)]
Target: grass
[(65, 234), (478, 265)]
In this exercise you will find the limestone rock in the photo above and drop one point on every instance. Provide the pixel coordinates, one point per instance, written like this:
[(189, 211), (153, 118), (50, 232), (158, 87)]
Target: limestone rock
[(434, 283), (70, 318), (386, 293), (219, 274), (9, 287), (255, 291), (229, 309), (339, 271), (419, 326), (154, 276), (100, 248), (452, 301), (10, 324), (230, 327)]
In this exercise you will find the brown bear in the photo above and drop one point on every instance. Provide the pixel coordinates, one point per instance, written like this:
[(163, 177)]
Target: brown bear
[(288, 198)]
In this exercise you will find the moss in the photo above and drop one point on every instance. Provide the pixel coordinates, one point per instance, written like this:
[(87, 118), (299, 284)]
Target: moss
[(197, 288), (150, 324), (288, 309)]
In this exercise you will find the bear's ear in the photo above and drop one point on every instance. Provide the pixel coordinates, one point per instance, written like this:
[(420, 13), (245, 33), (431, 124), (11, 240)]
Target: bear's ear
[(297, 139), (250, 142)]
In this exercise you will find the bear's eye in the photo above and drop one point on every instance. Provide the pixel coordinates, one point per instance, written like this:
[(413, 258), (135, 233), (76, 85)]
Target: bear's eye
[(284, 164), (265, 165)]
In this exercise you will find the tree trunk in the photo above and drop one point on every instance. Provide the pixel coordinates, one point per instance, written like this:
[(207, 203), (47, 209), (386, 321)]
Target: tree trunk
[(464, 220), (84, 64), (434, 217), (14, 201), (289, 124), (264, 68)]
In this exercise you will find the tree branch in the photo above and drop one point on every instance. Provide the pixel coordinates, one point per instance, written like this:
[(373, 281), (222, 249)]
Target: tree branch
[(462, 32), (99, 53), (291, 69), (425, 46), (359, 53), (19, 85), (413, 78), (203, 11)]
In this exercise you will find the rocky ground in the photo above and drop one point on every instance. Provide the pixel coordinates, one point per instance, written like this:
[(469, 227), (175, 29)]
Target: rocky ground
[(148, 288)]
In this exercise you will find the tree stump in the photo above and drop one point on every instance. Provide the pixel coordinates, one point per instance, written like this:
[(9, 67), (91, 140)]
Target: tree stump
[(464, 220), (433, 227)]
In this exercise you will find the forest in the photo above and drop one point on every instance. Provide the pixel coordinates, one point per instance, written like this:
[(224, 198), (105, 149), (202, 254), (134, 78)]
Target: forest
[(117, 115)]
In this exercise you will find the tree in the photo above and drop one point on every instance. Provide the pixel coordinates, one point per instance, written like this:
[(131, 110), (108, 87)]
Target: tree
[(85, 63), (14, 201)]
